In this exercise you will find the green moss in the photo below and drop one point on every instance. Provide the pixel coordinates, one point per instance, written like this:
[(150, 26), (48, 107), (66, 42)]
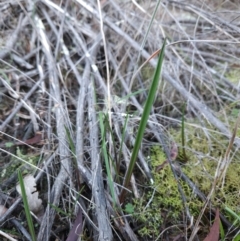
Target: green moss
[(16, 164), (204, 152), (233, 75), (162, 201), (147, 72)]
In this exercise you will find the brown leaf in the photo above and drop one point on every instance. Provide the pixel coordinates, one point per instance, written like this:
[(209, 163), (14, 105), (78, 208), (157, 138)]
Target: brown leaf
[(173, 156), (76, 230), (35, 140), (214, 230)]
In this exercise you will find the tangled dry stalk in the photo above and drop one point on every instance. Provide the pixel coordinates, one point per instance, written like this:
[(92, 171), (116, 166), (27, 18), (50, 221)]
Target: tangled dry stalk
[(58, 57)]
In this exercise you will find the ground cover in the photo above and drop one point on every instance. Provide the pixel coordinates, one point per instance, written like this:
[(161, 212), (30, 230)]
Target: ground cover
[(75, 80)]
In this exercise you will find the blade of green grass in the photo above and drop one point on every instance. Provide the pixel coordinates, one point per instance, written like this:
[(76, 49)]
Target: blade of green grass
[(143, 121), (60, 211), (106, 159), (70, 141), (26, 206), (73, 150), (237, 238), (125, 98), (234, 215), (222, 233), (108, 129), (144, 41), (122, 140)]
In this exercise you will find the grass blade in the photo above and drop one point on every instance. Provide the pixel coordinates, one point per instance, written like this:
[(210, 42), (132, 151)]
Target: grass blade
[(26, 207), (106, 158), (183, 154), (122, 140), (70, 141), (143, 121), (233, 214)]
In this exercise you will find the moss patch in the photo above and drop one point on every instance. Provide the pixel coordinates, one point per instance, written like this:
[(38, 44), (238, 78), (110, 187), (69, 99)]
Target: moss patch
[(9, 171), (162, 201)]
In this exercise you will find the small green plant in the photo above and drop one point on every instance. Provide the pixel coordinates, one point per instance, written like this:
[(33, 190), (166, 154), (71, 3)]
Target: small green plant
[(106, 156), (129, 208)]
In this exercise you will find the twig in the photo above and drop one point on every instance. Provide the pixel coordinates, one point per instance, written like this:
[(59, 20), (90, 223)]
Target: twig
[(19, 105), (7, 236), (80, 115), (64, 153), (13, 37)]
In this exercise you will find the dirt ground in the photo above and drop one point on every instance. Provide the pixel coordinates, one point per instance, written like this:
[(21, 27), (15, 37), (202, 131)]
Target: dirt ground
[(74, 79)]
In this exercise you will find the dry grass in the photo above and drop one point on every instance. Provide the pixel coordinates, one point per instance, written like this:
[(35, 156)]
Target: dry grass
[(58, 57)]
